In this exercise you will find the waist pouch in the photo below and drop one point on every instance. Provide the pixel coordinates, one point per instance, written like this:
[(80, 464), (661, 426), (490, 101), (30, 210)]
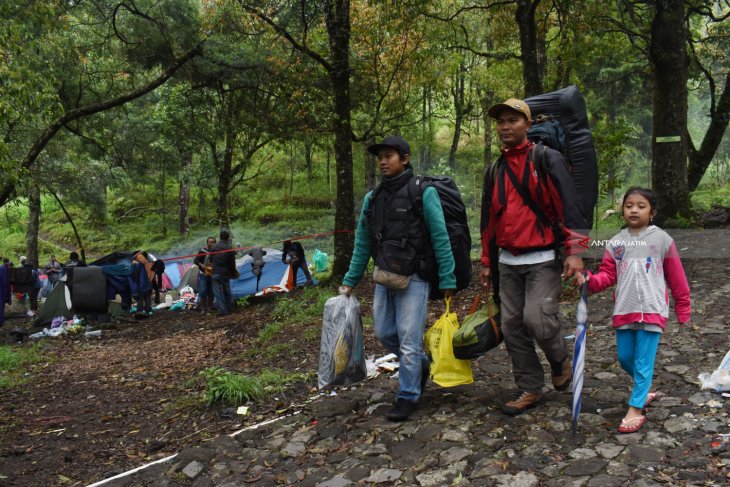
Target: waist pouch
[(395, 264)]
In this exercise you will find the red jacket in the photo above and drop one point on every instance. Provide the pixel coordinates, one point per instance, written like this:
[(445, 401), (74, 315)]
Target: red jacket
[(512, 225)]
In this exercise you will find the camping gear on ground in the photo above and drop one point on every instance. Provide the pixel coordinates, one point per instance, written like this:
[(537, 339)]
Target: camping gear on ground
[(341, 354), (480, 331), (567, 107), (456, 225), (321, 261), (89, 290), (579, 352), (446, 370), (257, 266), (276, 276), (719, 379)]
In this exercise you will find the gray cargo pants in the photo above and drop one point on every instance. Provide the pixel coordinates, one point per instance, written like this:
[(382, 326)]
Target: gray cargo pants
[(530, 297)]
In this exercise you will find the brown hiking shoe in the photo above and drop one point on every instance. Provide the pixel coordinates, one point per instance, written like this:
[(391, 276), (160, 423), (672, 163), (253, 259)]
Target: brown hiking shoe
[(525, 401), (561, 380)]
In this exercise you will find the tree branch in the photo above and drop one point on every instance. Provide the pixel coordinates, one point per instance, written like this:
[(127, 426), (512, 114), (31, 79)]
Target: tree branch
[(91, 109), (286, 35)]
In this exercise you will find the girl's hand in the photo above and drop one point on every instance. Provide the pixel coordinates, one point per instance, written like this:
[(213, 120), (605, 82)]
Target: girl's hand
[(581, 279)]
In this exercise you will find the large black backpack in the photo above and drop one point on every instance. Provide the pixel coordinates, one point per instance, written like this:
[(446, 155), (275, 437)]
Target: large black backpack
[(560, 121), (456, 226)]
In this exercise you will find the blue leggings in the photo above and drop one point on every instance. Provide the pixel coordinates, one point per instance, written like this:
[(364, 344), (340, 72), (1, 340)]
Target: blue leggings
[(636, 353)]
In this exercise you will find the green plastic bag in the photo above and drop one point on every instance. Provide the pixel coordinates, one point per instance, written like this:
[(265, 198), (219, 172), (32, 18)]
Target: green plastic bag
[(321, 261), (446, 370)]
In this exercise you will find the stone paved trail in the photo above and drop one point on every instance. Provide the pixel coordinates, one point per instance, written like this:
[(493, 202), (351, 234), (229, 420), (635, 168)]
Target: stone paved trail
[(459, 436)]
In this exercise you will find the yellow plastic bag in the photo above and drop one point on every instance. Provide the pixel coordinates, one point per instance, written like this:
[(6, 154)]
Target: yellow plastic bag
[(446, 370)]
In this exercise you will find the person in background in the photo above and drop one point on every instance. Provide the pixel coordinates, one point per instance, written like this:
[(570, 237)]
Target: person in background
[(140, 283), (9, 268), (53, 271), (205, 280), (27, 281), (293, 254), (223, 260), (74, 261), (4, 292)]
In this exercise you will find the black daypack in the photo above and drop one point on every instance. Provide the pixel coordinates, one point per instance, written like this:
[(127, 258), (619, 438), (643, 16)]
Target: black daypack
[(457, 227), (548, 131)]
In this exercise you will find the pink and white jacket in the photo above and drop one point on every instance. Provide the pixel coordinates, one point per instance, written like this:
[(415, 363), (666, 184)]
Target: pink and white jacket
[(642, 267)]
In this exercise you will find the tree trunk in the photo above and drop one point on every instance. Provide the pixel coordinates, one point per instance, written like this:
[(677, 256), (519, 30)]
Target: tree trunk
[(34, 220), (337, 21), (370, 181), (183, 201), (292, 169), (224, 179), (163, 202), (71, 222), (183, 197), (486, 100), (529, 57), (700, 160), (457, 92), (329, 175), (308, 161), (668, 55)]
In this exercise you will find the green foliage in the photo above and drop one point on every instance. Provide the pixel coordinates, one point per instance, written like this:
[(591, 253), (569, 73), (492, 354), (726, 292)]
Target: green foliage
[(233, 389), (268, 332), (14, 362), (229, 388), (304, 307), (707, 197)]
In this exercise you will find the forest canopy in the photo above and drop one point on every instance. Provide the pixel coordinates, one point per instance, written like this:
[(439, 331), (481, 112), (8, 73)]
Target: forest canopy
[(202, 114)]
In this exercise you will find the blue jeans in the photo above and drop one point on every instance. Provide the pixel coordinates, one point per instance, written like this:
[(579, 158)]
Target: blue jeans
[(205, 285), (400, 320), (222, 293), (636, 352)]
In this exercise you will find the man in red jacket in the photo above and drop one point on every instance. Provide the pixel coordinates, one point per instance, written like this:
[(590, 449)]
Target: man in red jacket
[(530, 212)]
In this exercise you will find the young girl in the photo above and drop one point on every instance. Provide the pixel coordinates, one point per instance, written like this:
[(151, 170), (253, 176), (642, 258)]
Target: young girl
[(642, 261)]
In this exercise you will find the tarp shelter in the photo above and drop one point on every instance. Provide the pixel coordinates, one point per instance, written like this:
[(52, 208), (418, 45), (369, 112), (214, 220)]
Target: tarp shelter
[(274, 273), (174, 273), (58, 303), (190, 278)]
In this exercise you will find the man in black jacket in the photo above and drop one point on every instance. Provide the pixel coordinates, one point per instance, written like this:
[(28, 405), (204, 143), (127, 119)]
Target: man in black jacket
[(223, 261), (293, 253), (205, 281)]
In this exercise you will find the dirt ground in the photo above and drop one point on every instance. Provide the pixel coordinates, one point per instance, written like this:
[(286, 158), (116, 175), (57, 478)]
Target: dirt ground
[(102, 406)]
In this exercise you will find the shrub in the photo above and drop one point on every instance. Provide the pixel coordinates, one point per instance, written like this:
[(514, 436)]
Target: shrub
[(222, 386)]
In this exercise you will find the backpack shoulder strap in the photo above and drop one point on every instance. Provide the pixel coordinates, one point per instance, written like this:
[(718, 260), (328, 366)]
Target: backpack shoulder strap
[(415, 192)]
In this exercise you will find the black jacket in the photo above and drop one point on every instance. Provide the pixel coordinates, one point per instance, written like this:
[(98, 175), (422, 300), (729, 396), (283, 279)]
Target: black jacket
[(224, 263)]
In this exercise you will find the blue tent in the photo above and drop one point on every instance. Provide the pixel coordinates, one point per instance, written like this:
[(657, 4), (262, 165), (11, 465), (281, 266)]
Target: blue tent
[(273, 274)]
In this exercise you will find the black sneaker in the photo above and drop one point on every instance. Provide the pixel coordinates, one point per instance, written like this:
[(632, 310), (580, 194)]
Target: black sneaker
[(425, 373), (402, 409)]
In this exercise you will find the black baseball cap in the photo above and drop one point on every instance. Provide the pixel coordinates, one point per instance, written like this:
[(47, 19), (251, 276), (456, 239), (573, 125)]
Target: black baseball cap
[(393, 142)]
